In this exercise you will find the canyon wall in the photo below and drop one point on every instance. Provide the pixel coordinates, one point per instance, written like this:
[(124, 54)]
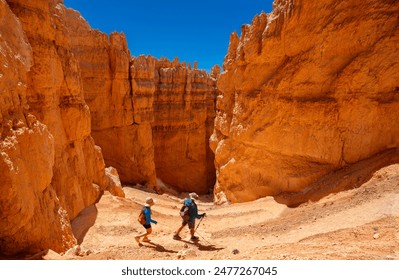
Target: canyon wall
[(50, 167), (124, 137), (183, 122), (65, 89), (151, 117), (26, 153), (307, 90)]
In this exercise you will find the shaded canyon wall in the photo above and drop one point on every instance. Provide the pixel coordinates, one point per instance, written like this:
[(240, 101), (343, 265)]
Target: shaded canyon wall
[(184, 106), (307, 90), (50, 167)]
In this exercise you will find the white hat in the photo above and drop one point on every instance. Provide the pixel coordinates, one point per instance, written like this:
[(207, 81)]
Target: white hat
[(193, 195), (149, 202)]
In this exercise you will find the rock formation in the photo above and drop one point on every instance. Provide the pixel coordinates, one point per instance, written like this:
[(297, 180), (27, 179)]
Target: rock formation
[(307, 90), (26, 153), (142, 105), (152, 118), (62, 83), (125, 139), (183, 122), (50, 167)]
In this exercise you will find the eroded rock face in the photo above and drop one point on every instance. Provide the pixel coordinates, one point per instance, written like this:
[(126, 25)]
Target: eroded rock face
[(50, 167), (62, 82), (177, 103), (31, 218), (183, 121), (125, 139), (307, 90), (152, 118), (142, 105), (55, 97)]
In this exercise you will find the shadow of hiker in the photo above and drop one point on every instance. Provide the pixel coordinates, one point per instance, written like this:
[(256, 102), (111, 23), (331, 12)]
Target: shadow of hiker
[(201, 247), (158, 247)]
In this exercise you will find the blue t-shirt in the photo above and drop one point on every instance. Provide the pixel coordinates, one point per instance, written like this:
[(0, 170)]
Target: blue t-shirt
[(193, 210), (147, 214)]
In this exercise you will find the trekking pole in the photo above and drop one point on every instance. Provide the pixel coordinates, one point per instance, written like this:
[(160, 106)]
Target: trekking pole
[(198, 224), (204, 239), (195, 230)]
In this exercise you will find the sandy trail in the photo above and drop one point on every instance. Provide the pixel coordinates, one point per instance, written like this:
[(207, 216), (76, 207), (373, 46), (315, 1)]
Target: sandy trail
[(361, 223)]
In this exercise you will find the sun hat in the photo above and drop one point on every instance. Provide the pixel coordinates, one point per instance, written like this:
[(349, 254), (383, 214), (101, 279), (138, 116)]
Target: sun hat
[(149, 202), (193, 195)]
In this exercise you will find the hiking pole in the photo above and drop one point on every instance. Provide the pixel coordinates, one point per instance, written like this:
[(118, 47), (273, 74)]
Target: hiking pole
[(204, 239), (198, 224), (195, 230)]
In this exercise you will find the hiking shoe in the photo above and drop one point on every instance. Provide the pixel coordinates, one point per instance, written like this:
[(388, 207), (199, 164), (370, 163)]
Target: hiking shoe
[(194, 238), (176, 237)]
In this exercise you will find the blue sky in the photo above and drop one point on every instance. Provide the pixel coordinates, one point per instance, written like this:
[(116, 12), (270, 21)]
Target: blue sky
[(191, 30)]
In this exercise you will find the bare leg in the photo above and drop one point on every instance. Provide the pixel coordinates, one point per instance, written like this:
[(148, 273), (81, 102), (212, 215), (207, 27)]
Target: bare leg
[(176, 235), (179, 230), (192, 231), (145, 234)]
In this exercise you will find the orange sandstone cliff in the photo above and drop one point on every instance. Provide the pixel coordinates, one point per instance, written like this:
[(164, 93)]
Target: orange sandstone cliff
[(124, 137), (307, 90), (183, 122), (63, 84), (152, 118), (50, 166)]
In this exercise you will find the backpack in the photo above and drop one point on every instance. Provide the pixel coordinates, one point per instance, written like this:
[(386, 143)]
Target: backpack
[(141, 217), (185, 212)]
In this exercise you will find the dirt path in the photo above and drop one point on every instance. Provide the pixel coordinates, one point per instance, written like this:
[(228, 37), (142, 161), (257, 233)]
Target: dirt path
[(361, 223)]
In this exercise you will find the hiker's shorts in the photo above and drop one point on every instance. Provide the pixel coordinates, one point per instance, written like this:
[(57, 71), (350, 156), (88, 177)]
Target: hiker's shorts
[(147, 226), (190, 224)]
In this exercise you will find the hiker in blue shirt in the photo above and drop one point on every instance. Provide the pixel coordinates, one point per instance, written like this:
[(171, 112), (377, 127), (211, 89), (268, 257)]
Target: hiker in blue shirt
[(147, 225), (192, 215)]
